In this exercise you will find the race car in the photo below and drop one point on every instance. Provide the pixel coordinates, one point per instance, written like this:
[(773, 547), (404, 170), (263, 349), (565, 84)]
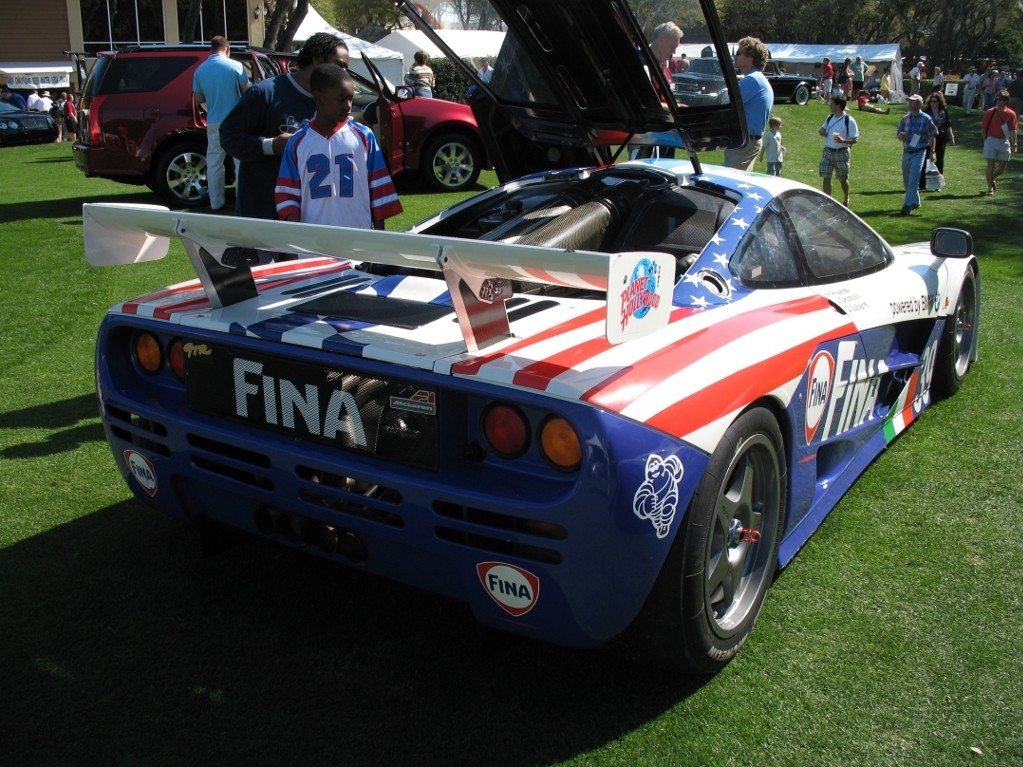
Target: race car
[(596, 403)]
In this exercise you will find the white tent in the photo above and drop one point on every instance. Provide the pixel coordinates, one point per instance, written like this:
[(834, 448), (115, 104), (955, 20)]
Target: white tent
[(808, 59), (388, 61), (469, 44)]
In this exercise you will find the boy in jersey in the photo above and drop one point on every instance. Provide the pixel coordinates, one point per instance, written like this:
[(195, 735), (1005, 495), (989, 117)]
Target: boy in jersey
[(333, 171)]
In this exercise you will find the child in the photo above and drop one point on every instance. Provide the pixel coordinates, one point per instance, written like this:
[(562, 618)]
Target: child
[(333, 171), (773, 149)]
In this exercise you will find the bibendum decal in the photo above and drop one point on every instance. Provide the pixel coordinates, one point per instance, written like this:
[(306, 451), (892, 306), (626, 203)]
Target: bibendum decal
[(657, 498)]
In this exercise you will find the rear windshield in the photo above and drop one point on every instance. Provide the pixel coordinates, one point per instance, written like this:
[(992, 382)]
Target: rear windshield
[(138, 74)]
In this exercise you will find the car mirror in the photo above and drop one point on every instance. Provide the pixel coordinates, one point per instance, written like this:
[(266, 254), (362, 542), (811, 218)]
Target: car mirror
[(404, 92), (947, 242)]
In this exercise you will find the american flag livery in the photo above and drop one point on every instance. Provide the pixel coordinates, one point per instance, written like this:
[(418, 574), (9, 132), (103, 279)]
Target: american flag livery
[(344, 392)]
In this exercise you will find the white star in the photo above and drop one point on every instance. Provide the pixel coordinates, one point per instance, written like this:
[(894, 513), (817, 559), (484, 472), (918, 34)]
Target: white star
[(721, 259), (745, 186), (755, 196), (717, 239), (692, 279), (700, 302), (741, 223)]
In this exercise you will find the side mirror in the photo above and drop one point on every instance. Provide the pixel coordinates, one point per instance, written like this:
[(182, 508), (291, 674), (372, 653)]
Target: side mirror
[(947, 242), (404, 92)]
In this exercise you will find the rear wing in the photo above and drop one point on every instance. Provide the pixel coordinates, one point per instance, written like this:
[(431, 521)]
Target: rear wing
[(479, 274)]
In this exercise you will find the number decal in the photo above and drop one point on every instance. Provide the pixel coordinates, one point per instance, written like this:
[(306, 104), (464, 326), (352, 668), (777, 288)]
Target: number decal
[(317, 166)]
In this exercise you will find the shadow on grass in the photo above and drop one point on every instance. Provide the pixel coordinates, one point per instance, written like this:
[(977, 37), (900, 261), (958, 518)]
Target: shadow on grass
[(120, 645), (65, 417), (68, 207)]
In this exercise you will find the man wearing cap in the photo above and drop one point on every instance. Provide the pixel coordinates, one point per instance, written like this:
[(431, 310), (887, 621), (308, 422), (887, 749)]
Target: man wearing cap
[(917, 132)]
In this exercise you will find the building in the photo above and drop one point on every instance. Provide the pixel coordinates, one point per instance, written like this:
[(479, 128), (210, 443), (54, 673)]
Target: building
[(35, 37)]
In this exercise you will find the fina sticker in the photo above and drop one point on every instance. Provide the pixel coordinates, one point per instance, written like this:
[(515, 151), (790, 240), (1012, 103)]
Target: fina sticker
[(142, 469), (818, 390), (657, 498), (515, 590)]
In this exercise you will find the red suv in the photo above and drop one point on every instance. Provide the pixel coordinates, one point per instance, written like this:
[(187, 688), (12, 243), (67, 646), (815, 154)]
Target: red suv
[(139, 125)]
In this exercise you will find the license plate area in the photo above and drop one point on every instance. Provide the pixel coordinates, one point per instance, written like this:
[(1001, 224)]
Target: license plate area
[(326, 405)]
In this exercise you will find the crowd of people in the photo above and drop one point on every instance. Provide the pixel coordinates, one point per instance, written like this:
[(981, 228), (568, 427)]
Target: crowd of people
[(63, 109)]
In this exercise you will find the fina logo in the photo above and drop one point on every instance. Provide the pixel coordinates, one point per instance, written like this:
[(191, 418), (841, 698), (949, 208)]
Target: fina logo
[(515, 590), (818, 390), (142, 469)]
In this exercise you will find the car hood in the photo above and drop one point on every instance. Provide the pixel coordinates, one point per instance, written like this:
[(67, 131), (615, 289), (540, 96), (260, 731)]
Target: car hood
[(574, 80)]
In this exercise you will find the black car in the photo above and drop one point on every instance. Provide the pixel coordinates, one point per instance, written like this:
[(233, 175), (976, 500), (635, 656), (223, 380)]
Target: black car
[(20, 127), (798, 89), (701, 84)]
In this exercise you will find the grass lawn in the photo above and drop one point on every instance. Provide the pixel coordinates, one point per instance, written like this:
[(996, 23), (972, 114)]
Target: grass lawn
[(892, 639)]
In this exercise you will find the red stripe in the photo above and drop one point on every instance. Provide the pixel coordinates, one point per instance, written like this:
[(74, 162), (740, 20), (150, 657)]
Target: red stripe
[(471, 367), (620, 389), (742, 387)]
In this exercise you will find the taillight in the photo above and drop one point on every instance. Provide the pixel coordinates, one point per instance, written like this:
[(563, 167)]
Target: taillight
[(92, 120), (560, 443), (176, 358), (506, 430), (148, 353)]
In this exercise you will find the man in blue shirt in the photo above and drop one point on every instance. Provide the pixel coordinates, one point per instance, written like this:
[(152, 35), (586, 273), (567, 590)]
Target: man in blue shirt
[(757, 101), (917, 132), (219, 83)]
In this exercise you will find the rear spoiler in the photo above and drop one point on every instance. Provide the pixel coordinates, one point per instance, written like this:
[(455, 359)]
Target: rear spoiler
[(479, 274)]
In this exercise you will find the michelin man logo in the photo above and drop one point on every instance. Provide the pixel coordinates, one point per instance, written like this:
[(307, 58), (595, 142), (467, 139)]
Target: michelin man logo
[(657, 498)]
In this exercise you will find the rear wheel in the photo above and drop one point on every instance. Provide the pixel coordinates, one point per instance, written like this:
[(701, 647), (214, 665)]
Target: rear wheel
[(452, 163), (713, 584), (801, 95), (180, 176), (955, 355)]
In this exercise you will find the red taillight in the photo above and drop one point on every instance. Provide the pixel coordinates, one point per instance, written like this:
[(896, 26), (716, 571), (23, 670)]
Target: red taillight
[(176, 358), (93, 123), (506, 430)]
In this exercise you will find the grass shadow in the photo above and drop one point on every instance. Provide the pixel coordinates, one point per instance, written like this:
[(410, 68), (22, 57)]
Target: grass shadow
[(264, 655)]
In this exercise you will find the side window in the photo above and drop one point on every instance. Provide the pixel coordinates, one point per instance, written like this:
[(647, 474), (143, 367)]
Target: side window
[(835, 244), (766, 255), (143, 74)]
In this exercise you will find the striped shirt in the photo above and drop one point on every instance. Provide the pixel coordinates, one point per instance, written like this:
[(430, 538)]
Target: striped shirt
[(337, 180)]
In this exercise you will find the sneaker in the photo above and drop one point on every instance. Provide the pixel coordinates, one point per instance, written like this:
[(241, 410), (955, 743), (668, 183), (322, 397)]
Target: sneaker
[(906, 210)]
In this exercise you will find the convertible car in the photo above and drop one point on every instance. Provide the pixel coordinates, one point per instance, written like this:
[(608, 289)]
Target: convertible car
[(600, 403)]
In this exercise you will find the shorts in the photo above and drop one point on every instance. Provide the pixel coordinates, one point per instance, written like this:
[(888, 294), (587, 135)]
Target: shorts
[(996, 149), (835, 161)]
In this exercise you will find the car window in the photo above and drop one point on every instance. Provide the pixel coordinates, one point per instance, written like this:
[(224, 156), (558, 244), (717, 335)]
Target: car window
[(835, 244), (140, 74), (5, 107), (767, 255), (705, 66), (251, 70)]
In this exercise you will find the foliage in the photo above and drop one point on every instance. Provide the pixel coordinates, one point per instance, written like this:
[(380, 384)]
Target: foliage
[(367, 19), (450, 82)]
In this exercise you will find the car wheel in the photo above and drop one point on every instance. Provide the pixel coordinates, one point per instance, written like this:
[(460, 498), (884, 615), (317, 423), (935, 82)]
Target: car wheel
[(180, 176), (713, 584), (955, 354), (452, 163), (801, 95)]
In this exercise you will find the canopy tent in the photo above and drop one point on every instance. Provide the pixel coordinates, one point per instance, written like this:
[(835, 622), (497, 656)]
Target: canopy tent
[(469, 44), (41, 75), (808, 59), (388, 61)]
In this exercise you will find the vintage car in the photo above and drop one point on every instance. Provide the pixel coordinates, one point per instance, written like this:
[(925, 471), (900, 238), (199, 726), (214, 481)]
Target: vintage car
[(702, 83), (600, 403), (20, 127), (798, 89)]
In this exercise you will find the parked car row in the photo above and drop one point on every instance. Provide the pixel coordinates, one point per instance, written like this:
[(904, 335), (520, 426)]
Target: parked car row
[(139, 124), (20, 127)]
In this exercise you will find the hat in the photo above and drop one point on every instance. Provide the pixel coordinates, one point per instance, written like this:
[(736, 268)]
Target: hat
[(45, 93), (917, 98)]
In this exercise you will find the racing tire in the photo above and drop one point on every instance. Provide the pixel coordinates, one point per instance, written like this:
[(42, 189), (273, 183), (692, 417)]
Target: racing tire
[(179, 177), (801, 95), (452, 163), (959, 339), (713, 584)]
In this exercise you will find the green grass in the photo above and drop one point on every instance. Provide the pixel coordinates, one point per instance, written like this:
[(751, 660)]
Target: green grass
[(892, 639)]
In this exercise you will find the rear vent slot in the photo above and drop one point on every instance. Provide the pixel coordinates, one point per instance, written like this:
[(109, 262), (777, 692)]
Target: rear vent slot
[(232, 472), (229, 451), (139, 431), (349, 495), (499, 546), (503, 522)]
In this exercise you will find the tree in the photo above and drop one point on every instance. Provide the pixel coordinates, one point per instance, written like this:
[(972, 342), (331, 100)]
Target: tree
[(355, 16)]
